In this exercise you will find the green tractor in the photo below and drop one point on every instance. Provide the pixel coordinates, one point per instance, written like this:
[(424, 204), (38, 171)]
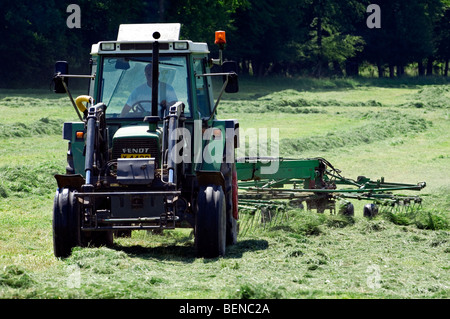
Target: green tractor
[(148, 152)]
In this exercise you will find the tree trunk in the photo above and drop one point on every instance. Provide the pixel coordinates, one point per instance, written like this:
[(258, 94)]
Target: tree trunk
[(446, 67), (420, 68), (400, 70), (380, 70), (430, 66), (337, 69), (245, 67), (351, 67), (261, 70), (391, 70)]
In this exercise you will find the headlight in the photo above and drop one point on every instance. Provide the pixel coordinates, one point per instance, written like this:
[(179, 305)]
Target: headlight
[(180, 45), (107, 46)]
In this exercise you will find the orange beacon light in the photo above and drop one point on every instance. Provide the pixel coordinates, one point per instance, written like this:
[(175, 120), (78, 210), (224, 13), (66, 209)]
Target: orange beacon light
[(220, 38)]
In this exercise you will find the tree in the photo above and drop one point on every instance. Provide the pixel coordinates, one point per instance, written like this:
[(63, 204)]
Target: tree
[(27, 41), (262, 35), (201, 18), (442, 37), (331, 35), (405, 35)]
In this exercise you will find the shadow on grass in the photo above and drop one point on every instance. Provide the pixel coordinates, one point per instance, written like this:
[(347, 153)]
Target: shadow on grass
[(185, 252), (247, 245)]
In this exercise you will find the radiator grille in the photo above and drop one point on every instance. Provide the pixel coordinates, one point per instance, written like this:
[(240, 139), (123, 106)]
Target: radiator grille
[(136, 143)]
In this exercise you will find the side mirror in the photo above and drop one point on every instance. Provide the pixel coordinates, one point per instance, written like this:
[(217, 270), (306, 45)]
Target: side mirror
[(233, 84), (61, 67)]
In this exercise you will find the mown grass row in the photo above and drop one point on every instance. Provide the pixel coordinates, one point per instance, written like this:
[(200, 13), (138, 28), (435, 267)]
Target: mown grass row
[(379, 126), (307, 223), (44, 126), (358, 128), (297, 100), (25, 102), (25, 180), (434, 96)]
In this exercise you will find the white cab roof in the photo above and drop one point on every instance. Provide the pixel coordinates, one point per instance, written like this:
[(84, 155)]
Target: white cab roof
[(144, 32)]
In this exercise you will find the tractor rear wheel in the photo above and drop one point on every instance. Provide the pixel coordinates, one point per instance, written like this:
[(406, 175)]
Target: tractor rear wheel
[(66, 223), (231, 200), (210, 223)]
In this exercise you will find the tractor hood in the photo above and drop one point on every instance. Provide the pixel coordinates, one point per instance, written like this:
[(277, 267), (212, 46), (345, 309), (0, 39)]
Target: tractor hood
[(136, 141), (136, 131)]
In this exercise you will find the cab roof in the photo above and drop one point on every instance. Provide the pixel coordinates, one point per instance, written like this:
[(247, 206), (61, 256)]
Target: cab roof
[(139, 38)]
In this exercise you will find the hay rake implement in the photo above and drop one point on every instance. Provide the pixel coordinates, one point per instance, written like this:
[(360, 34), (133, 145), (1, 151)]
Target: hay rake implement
[(269, 186)]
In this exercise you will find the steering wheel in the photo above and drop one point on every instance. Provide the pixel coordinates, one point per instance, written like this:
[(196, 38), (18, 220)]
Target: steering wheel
[(137, 106)]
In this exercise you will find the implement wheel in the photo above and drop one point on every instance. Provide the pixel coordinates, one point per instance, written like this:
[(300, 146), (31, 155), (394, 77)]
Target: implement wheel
[(347, 209), (66, 223), (370, 210), (210, 223)]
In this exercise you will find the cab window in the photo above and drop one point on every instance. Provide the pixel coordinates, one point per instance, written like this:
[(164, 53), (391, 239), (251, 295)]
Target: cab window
[(125, 81), (201, 87)]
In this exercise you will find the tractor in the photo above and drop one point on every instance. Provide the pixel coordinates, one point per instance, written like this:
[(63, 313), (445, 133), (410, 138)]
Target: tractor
[(149, 153)]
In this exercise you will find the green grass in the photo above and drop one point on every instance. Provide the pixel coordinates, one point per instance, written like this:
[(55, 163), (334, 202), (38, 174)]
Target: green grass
[(396, 129)]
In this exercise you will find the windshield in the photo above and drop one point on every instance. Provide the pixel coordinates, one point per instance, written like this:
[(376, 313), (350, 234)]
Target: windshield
[(127, 85)]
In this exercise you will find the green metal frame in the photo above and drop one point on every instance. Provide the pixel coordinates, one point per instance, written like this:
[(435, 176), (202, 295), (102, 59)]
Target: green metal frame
[(314, 181)]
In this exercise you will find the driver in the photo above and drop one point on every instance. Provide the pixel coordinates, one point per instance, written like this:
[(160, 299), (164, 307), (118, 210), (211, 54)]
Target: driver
[(143, 93)]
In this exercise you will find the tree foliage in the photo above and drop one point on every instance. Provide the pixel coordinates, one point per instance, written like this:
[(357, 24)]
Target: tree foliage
[(288, 37)]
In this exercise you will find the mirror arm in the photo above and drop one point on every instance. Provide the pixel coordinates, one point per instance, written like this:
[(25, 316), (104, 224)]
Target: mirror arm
[(62, 76), (221, 92), (71, 99)]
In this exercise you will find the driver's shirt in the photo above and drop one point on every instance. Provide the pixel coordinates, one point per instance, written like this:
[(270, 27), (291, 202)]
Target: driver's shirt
[(144, 93)]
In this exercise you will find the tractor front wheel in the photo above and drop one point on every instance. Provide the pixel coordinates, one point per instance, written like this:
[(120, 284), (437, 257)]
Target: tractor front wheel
[(66, 223), (210, 224)]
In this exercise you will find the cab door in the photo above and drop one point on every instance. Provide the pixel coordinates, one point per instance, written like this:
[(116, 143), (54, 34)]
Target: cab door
[(203, 88)]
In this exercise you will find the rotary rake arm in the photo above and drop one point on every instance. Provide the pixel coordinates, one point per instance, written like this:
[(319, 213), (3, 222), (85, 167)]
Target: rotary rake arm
[(313, 181)]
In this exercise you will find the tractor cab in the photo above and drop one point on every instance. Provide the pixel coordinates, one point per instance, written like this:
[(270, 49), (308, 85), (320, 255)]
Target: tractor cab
[(147, 63), (124, 73)]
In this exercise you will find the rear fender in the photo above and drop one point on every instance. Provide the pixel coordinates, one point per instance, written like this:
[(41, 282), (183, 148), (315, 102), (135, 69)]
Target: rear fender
[(218, 144), (207, 178), (76, 145)]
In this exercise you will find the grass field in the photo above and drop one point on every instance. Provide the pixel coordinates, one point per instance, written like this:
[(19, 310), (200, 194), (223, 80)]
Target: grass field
[(396, 129)]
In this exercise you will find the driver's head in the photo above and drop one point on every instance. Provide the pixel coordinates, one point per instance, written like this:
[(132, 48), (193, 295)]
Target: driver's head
[(148, 73)]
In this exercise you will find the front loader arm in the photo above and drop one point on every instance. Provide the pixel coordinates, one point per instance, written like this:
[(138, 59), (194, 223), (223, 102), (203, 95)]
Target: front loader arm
[(95, 154)]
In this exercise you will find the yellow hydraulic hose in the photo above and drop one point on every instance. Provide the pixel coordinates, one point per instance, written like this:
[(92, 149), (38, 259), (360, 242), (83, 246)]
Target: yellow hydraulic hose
[(79, 102)]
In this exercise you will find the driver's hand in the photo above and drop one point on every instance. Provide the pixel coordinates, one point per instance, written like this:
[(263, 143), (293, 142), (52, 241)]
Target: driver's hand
[(126, 109)]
